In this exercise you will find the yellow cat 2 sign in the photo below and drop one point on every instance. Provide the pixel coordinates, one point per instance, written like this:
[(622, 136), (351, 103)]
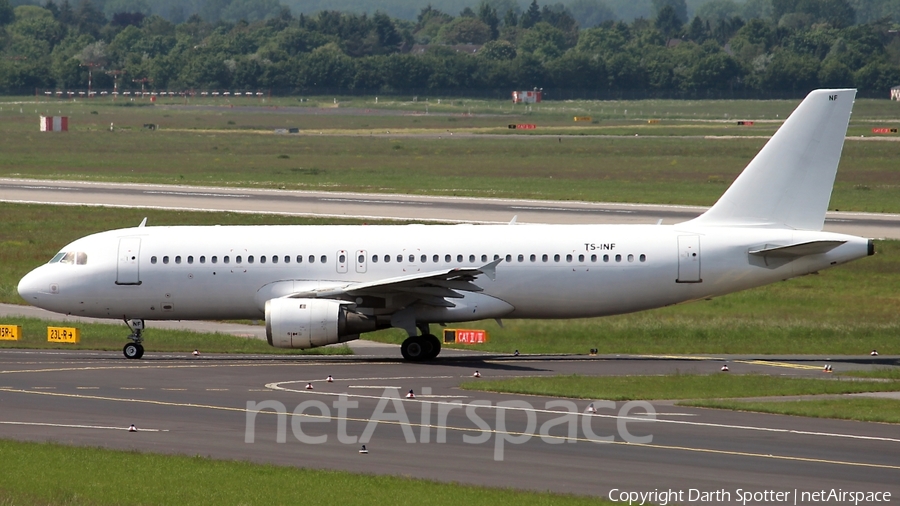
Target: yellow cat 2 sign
[(63, 335), (10, 332)]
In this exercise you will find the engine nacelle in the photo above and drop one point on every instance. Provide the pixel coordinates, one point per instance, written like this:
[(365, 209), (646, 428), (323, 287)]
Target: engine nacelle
[(308, 323)]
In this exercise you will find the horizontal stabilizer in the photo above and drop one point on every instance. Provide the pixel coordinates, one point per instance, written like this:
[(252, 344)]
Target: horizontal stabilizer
[(797, 250)]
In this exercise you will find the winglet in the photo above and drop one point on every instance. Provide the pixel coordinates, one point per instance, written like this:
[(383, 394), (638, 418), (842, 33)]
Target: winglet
[(490, 270), (513, 221), (143, 222), (788, 184)]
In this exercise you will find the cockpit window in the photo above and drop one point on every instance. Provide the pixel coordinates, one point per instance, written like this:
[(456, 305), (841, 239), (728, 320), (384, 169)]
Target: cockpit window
[(70, 257)]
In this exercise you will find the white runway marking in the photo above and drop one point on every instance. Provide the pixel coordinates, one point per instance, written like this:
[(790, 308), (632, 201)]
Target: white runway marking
[(198, 194), (73, 426), (470, 429), (277, 386)]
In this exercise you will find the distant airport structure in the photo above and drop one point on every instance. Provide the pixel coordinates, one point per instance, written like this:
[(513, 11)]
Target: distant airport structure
[(895, 93)]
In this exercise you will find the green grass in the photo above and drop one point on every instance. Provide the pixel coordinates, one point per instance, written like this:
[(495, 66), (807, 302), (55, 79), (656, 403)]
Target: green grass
[(676, 386), (847, 310), (96, 336), (861, 409), (891, 373), (39, 474), (561, 110), (200, 147)]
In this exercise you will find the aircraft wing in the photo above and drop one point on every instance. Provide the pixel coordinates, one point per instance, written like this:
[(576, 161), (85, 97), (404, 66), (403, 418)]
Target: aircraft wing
[(432, 288)]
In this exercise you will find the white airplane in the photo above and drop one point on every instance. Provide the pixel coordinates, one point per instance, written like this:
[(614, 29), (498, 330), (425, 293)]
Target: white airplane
[(321, 285)]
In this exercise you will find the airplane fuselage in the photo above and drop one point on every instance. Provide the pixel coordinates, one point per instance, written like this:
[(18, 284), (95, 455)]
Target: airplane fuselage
[(175, 273)]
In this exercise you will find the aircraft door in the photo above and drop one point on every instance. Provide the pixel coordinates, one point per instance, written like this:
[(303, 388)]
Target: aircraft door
[(361, 261), (127, 272), (689, 259), (342, 261)]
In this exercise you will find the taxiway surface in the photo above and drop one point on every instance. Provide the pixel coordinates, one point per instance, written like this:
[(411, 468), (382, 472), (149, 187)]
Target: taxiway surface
[(207, 406), (383, 206)]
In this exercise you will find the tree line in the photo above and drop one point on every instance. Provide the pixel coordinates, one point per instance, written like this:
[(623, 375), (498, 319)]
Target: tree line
[(792, 46)]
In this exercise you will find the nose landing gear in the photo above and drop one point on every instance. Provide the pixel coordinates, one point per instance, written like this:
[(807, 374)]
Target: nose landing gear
[(134, 349)]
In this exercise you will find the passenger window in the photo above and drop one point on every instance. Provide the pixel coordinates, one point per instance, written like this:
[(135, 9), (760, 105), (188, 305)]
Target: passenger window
[(618, 258), (178, 259), (190, 259), (202, 259), (496, 257), (214, 259), (533, 257), (299, 259), (360, 259), (447, 258), (312, 259), (423, 259), (484, 258), (375, 259), (581, 258), (436, 258), (274, 259), (226, 259), (287, 259), (471, 259), (412, 259), (387, 258), (166, 259), (568, 258), (631, 258), (643, 258), (238, 259), (459, 258), (593, 258), (508, 258), (153, 259), (521, 258), (342, 259), (606, 258), (556, 257), (262, 259), (250, 259), (324, 259), (400, 258), (544, 258)]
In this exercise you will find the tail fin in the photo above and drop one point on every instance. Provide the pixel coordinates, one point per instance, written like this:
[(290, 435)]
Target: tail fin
[(788, 184)]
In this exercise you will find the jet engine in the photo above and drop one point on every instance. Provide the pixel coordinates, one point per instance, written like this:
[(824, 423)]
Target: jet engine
[(308, 323)]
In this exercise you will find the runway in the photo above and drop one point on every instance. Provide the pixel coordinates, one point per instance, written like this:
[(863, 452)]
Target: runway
[(383, 206), (207, 406)]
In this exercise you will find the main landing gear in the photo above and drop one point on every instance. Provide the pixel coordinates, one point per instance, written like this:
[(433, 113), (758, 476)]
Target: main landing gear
[(422, 347), (134, 349)]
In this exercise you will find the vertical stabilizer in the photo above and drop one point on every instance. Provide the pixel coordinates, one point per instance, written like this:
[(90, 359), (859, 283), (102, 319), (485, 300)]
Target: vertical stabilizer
[(788, 184)]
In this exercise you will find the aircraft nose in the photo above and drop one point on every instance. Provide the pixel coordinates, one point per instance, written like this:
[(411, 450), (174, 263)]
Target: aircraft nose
[(29, 287)]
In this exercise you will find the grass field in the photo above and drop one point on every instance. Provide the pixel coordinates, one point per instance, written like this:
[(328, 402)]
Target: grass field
[(41, 474), (891, 373), (861, 409), (677, 386), (113, 337), (850, 310), (236, 147)]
